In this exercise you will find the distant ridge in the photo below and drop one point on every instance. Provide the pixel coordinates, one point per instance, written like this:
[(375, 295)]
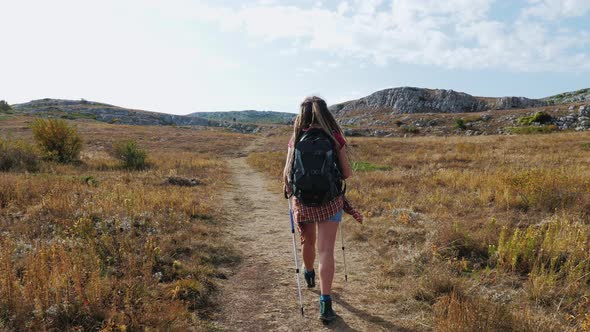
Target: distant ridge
[(248, 116), (391, 102), (75, 109), (83, 109)]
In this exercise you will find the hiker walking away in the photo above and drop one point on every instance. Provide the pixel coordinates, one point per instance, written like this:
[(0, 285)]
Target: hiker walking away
[(315, 168)]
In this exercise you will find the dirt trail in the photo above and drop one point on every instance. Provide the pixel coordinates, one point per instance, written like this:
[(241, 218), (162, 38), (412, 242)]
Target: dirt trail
[(261, 293)]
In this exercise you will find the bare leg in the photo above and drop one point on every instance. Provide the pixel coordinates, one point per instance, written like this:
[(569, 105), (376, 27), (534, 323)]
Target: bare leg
[(308, 245), (326, 238)]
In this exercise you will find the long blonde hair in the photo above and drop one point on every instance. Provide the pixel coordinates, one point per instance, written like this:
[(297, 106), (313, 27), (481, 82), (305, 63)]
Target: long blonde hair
[(314, 110)]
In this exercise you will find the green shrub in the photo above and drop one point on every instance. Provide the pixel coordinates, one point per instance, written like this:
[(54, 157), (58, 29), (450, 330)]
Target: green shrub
[(130, 154), (4, 107), (539, 117), (18, 156), (90, 181), (460, 124), (59, 141), (531, 129)]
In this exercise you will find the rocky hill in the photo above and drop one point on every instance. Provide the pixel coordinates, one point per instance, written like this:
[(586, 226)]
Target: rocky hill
[(570, 97), (83, 109), (248, 116), (103, 112), (410, 100)]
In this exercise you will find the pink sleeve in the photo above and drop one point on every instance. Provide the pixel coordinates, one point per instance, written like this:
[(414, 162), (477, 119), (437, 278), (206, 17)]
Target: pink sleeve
[(340, 139)]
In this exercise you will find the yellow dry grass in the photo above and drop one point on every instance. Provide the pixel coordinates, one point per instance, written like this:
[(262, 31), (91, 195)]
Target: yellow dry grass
[(94, 247), (505, 217)]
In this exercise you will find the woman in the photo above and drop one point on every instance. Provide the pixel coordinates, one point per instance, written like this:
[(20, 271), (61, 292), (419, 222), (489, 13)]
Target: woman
[(311, 224)]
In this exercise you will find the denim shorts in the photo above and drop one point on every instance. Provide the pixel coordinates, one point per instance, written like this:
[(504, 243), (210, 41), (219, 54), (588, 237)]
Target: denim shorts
[(337, 217)]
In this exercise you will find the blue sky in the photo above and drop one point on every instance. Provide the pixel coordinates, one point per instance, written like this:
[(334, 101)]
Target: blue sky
[(181, 56)]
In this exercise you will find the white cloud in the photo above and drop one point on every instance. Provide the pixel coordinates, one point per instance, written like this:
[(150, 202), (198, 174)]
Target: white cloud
[(343, 8), (451, 34), (557, 9)]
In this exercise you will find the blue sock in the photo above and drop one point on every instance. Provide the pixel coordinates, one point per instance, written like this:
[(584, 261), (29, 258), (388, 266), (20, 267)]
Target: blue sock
[(325, 297)]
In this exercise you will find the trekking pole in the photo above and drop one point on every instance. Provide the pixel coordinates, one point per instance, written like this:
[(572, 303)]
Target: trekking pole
[(295, 254), (343, 255)]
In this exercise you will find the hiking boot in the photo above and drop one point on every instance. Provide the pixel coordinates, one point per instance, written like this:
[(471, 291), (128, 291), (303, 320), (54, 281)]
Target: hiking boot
[(309, 277), (327, 314)]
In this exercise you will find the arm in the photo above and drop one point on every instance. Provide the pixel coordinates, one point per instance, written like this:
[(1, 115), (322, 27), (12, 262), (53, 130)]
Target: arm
[(345, 168), (286, 172)]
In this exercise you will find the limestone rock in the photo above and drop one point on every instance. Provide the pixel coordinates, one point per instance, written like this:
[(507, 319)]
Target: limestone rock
[(407, 100)]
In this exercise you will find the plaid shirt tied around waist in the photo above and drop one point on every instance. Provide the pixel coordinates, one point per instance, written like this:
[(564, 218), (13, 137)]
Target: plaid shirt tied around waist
[(310, 214)]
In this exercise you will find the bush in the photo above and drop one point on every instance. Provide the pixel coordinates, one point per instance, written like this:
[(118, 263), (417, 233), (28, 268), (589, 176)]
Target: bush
[(460, 124), (130, 154), (18, 156), (539, 117), (59, 141), (4, 107)]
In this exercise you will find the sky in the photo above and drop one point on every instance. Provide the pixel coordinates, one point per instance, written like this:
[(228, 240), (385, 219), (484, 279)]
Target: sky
[(183, 56)]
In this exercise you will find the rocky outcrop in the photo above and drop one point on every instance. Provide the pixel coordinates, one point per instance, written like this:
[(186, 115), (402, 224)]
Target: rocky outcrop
[(417, 100), (506, 103), (576, 121), (570, 97)]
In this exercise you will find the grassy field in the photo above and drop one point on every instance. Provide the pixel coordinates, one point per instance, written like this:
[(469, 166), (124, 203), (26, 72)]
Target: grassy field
[(471, 233), (464, 233), (90, 246)]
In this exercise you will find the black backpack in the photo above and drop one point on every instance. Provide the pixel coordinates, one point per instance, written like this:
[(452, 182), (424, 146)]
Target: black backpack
[(315, 176)]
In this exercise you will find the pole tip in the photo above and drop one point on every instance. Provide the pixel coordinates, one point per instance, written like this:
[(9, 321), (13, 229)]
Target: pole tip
[(302, 315)]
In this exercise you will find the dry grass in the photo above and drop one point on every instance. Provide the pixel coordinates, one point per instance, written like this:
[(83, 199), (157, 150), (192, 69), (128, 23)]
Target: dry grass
[(505, 217), (94, 247), (464, 233)]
